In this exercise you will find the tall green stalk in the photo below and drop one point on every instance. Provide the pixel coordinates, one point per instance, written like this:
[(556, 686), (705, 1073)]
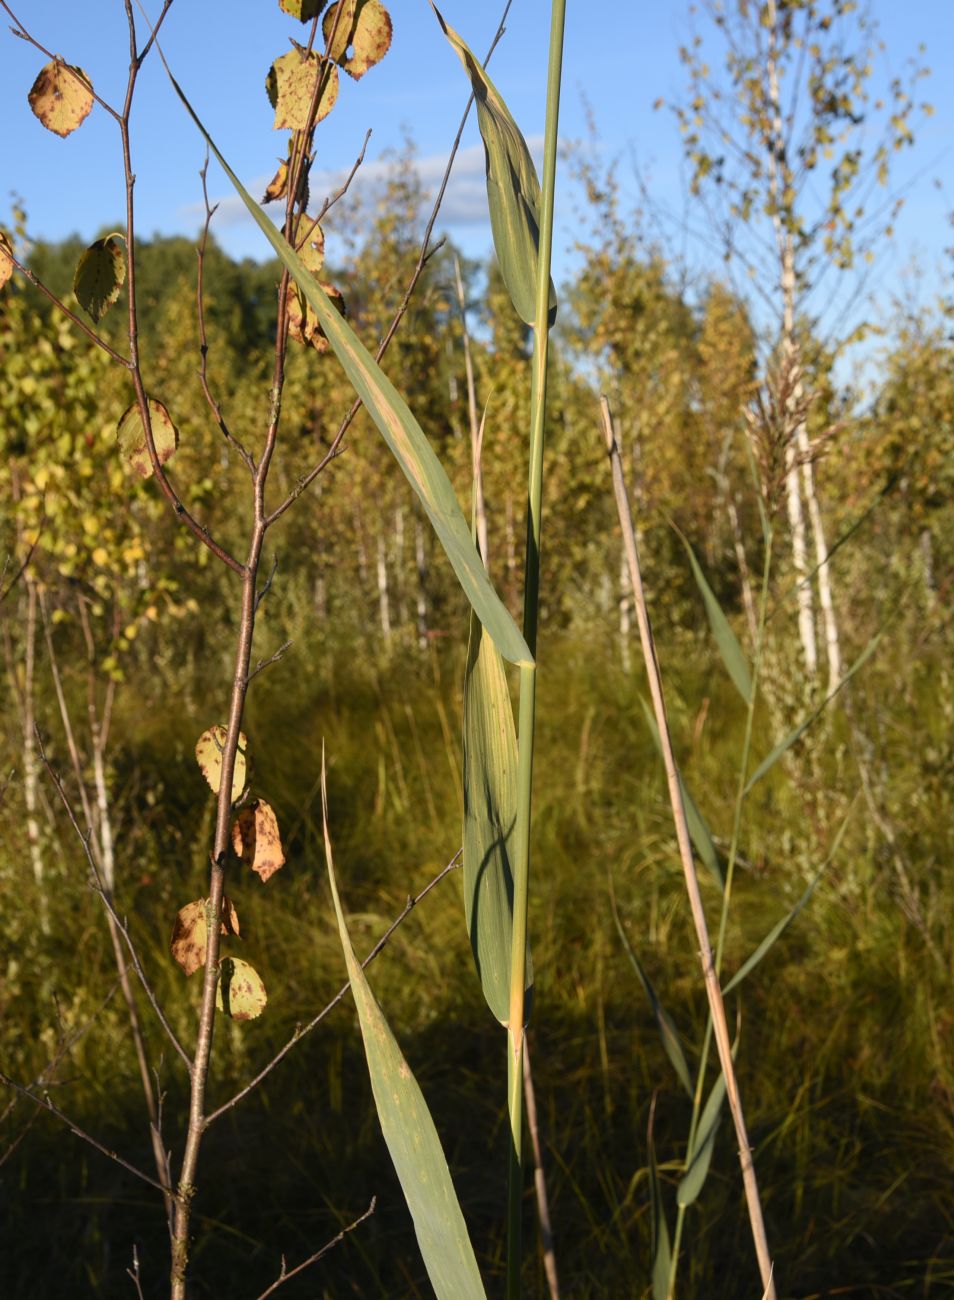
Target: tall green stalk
[(528, 672)]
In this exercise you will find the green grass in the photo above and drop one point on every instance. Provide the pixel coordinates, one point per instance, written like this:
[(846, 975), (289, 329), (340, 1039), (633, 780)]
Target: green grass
[(847, 1027)]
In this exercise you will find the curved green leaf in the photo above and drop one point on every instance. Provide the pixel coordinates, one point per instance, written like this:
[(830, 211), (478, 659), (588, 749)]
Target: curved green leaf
[(699, 1157), (397, 426), (732, 653), (699, 831), (513, 189), (662, 1249), (409, 1130), (668, 1032), (490, 814)]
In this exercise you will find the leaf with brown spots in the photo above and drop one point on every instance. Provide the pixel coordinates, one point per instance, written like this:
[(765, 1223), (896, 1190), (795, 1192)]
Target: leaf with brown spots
[(131, 435), (208, 754), (312, 250), (291, 84), (61, 97), (256, 839), (364, 28), (241, 992)]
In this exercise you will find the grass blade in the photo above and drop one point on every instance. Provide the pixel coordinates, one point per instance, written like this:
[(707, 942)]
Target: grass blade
[(778, 930), (665, 1023), (662, 1248), (409, 1130), (793, 736), (513, 189), (397, 426), (700, 1157), (490, 814), (699, 831), (732, 653)]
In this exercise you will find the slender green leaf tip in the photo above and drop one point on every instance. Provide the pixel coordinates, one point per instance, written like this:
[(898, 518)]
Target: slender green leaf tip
[(513, 187), (732, 654)]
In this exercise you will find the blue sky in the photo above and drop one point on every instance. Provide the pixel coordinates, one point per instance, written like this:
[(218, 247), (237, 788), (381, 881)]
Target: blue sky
[(620, 58)]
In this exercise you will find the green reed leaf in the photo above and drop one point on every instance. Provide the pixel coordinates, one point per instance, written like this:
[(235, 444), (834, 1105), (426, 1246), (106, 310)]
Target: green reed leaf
[(668, 1033), (699, 1158), (513, 188), (732, 653), (409, 1130), (699, 832), (490, 814)]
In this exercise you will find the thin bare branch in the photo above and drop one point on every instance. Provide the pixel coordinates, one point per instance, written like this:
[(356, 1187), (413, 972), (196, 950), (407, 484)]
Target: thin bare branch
[(98, 888), (134, 1272), (26, 563), (272, 659), (267, 586), (90, 333), (287, 1274), (47, 1075), (300, 1032), (213, 402), (44, 1101)]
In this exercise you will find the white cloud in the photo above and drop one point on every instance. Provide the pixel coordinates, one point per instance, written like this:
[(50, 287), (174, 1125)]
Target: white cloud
[(464, 204)]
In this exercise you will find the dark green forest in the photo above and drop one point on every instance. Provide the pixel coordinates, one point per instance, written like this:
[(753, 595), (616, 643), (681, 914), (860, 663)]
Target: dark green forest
[(793, 516)]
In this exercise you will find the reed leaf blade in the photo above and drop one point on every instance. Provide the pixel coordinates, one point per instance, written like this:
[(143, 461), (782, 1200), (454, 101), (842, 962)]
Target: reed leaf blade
[(699, 1158), (408, 1130), (490, 814), (733, 656), (668, 1033), (513, 188), (699, 832)]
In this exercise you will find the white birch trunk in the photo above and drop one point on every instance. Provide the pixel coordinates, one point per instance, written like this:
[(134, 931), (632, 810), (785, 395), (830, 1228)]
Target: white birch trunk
[(384, 600), (788, 351), (825, 594)]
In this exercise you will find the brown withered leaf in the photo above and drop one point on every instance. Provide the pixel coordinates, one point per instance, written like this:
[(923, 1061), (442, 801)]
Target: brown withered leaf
[(278, 185), (61, 97), (257, 841), (190, 934), (364, 28), (230, 921), (291, 84), (303, 325)]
